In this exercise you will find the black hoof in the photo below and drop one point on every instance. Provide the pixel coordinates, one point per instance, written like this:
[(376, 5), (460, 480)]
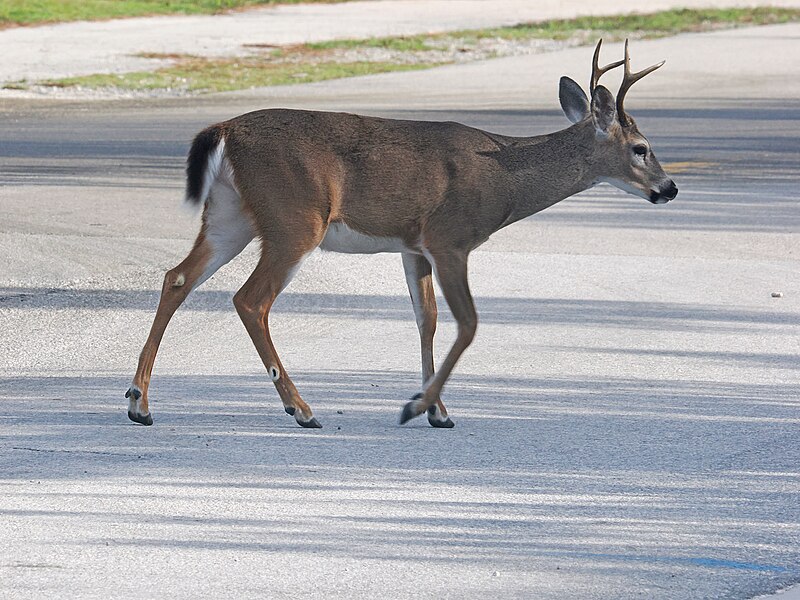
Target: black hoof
[(133, 392), (144, 420), (409, 411), (312, 423), (290, 410), (446, 424)]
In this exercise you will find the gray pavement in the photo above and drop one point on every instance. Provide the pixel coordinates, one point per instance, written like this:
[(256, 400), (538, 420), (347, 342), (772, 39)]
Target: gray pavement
[(627, 419)]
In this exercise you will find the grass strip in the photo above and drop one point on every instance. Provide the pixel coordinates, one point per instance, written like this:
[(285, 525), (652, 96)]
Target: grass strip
[(201, 75), (34, 12), (340, 58), (652, 25), (665, 23)]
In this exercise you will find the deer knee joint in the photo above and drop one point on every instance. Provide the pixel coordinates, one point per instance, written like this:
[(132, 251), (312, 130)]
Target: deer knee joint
[(242, 306)]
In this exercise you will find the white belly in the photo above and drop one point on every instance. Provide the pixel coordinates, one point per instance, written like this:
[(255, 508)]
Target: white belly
[(340, 238)]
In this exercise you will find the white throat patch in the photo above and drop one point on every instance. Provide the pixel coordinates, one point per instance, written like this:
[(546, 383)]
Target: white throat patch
[(625, 187)]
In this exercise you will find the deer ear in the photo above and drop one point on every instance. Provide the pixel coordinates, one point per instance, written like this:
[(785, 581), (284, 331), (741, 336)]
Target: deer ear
[(604, 112), (573, 100)]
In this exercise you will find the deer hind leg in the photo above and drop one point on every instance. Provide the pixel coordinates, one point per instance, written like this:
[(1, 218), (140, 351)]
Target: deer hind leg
[(278, 264), (226, 230), (451, 272), (420, 287)]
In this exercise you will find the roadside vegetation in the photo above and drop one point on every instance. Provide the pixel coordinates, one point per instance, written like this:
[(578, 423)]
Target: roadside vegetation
[(636, 26), (203, 75), (36, 12), (268, 65)]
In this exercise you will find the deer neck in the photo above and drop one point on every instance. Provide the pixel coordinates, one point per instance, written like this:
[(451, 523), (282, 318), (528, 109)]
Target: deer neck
[(550, 168)]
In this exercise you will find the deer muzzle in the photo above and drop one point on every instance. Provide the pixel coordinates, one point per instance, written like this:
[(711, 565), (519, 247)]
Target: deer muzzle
[(664, 194)]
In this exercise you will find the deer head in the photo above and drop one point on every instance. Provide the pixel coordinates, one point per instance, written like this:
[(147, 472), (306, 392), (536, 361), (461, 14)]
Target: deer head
[(622, 155)]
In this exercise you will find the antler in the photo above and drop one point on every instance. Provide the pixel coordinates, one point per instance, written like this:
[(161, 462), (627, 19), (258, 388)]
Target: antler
[(627, 81), (598, 72)]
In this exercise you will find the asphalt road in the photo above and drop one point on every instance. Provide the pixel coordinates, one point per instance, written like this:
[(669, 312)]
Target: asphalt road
[(627, 420)]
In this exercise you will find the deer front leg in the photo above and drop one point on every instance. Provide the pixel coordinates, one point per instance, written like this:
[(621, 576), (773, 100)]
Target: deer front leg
[(451, 271), (420, 287)]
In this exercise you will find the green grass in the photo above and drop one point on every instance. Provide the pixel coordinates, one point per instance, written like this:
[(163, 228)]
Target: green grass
[(222, 75), (651, 25), (317, 62), (664, 23), (414, 43), (31, 12)]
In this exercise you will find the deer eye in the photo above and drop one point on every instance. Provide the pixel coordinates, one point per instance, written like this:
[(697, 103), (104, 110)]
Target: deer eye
[(640, 150)]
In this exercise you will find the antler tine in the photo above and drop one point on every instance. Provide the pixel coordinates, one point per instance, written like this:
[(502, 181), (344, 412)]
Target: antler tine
[(628, 80), (597, 72)]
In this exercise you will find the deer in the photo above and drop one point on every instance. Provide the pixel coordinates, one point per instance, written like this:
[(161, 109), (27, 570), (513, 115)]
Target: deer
[(432, 191)]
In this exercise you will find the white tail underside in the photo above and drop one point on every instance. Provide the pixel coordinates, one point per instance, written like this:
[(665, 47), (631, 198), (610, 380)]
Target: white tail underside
[(217, 165)]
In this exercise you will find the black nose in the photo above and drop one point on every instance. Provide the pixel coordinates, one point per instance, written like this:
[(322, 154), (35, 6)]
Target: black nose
[(664, 195)]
